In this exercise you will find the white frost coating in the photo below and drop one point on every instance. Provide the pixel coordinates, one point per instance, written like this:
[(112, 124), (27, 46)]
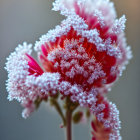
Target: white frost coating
[(52, 35), (24, 87), (93, 37), (79, 25), (72, 21), (89, 99), (97, 73), (114, 122), (70, 62), (114, 137), (119, 25), (29, 108), (107, 9), (18, 55), (85, 99), (78, 94), (17, 67), (128, 56), (45, 83), (64, 87), (112, 50), (89, 6), (20, 84), (100, 17), (129, 53), (126, 53), (81, 2)]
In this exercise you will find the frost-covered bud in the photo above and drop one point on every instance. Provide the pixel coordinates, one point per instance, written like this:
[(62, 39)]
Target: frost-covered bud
[(106, 124), (77, 117)]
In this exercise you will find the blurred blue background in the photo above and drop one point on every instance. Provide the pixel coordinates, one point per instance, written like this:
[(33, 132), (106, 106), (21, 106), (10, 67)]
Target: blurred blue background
[(26, 21)]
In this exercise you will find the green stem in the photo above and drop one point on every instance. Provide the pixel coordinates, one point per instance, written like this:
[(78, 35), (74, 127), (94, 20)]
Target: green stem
[(67, 120), (58, 108)]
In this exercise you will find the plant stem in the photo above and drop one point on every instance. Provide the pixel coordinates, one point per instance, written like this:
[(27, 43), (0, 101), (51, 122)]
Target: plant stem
[(67, 119), (58, 109), (70, 107), (69, 124)]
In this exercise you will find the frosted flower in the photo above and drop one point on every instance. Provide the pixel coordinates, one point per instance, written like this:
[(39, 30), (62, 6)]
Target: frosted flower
[(106, 124), (27, 82), (81, 59)]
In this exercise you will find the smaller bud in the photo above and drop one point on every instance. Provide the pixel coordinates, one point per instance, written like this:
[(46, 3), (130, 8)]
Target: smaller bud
[(37, 103), (61, 125), (77, 117), (87, 113)]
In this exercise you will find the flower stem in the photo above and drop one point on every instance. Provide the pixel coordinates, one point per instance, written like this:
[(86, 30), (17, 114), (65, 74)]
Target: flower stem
[(67, 119), (58, 109), (69, 124), (70, 107)]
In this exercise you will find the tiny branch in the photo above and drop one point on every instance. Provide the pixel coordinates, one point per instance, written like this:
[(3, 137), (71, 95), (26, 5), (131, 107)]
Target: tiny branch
[(70, 105), (58, 108), (67, 119)]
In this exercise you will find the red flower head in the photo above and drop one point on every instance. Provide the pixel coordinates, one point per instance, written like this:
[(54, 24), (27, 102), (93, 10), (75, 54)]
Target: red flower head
[(81, 59)]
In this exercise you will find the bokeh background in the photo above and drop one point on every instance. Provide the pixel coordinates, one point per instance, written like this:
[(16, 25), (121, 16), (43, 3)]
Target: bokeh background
[(27, 20)]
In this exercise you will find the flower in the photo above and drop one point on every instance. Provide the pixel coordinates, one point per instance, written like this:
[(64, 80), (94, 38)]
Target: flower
[(106, 124), (81, 59), (27, 81)]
